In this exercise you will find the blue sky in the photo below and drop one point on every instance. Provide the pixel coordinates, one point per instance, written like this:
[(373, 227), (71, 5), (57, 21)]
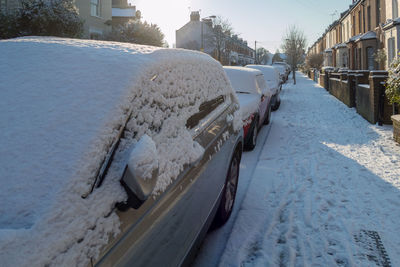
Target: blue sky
[(254, 20)]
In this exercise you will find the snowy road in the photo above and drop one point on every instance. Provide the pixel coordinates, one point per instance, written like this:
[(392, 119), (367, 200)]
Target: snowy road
[(322, 188)]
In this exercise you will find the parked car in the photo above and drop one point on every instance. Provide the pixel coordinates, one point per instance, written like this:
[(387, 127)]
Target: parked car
[(255, 100), (273, 81), (287, 66), (112, 154), (283, 70)]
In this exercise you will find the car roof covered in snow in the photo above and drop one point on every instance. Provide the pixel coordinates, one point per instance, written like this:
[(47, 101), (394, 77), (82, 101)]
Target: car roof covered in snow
[(243, 79), (63, 103), (271, 74)]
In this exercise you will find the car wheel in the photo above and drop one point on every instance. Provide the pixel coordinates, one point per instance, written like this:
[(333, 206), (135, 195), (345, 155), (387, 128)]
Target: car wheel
[(229, 194), (277, 103), (252, 140), (268, 117)]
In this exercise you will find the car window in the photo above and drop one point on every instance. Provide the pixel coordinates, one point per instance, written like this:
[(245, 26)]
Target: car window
[(204, 110), (261, 83)]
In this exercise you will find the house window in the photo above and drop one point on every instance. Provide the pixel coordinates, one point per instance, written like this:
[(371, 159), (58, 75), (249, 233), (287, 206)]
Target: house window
[(95, 8), (344, 60), (395, 9), (391, 49), (359, 21), (369, 17), (3, 6), (370, 58), (378, 12)]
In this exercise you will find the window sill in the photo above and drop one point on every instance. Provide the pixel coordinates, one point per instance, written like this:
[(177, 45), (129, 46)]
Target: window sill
[(96, 17)]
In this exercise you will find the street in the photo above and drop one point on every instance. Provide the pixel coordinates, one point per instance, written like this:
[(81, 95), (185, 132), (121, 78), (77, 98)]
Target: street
[(320, 189)]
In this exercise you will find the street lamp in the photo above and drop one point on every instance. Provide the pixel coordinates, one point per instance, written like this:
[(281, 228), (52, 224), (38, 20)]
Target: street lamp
[(202, 37)]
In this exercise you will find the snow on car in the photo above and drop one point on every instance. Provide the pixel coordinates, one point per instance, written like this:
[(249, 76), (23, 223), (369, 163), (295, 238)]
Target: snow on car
[(272, 78), (283, 71), (255, 100), (71, 112)]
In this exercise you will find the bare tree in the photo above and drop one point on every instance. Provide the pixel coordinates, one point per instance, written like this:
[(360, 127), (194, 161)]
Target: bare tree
[(294, 44), (315, 61), (262, 56), (221, 29)]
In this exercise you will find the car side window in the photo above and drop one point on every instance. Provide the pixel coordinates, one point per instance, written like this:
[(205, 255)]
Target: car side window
[(204, 110), (261, 82)]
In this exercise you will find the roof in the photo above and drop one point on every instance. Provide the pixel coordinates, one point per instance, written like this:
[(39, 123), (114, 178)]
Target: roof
[(367, 36), (341, 45), (354, 38)]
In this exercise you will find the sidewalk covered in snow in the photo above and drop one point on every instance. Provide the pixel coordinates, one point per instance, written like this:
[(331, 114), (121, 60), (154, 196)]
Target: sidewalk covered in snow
[(325, 190)]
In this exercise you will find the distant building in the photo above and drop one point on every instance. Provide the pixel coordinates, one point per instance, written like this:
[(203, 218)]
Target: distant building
[(200, 34)]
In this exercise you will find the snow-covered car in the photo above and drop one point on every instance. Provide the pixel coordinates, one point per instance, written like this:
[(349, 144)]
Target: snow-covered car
[(283, 71), (254, 98), (112, 154), (272, 78)]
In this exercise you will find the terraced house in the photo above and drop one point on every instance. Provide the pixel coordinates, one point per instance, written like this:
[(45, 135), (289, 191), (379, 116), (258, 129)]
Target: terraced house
[(353, 40)]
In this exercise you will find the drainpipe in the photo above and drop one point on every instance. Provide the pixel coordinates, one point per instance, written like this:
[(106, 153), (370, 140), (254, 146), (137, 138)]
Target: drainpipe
[(363, 12)]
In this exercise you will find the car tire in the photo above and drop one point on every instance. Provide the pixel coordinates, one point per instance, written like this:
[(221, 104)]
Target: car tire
[(277, 103), (268, 117), (252, 139), (229, 193)]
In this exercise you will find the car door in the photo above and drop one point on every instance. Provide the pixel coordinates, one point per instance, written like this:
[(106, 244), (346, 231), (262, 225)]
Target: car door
[(162, 231)]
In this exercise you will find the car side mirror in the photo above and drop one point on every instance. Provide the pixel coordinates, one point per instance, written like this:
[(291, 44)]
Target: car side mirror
[(140, 175)]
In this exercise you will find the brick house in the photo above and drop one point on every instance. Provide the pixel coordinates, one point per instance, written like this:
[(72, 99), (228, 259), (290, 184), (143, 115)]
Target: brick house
[(392, 30), (353, 40)]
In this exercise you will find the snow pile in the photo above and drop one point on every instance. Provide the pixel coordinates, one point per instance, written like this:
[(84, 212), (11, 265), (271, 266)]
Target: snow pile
[(64, 102)]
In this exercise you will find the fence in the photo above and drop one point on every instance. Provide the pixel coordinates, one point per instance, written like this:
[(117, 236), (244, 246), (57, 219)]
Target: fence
[(361, 89)]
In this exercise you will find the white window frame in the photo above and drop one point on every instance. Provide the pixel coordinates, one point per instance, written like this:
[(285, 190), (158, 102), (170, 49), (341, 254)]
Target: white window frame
[(95, 8)]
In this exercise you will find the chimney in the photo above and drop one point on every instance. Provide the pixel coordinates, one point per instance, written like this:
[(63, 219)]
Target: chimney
[(195, 16)]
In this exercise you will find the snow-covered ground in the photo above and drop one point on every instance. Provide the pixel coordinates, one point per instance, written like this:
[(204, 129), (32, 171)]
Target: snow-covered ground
[(322, 189)]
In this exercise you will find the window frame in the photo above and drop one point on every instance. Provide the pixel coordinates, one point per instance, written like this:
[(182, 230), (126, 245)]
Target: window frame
[(96, 4)]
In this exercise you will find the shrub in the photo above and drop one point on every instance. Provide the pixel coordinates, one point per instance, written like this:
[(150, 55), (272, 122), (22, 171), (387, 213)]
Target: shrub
[(43, 18), (138, 32), (393, 82)]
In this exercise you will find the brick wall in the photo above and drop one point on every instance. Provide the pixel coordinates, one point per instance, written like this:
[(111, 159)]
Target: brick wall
[(371, 102), (340, 88), (396, 128)]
